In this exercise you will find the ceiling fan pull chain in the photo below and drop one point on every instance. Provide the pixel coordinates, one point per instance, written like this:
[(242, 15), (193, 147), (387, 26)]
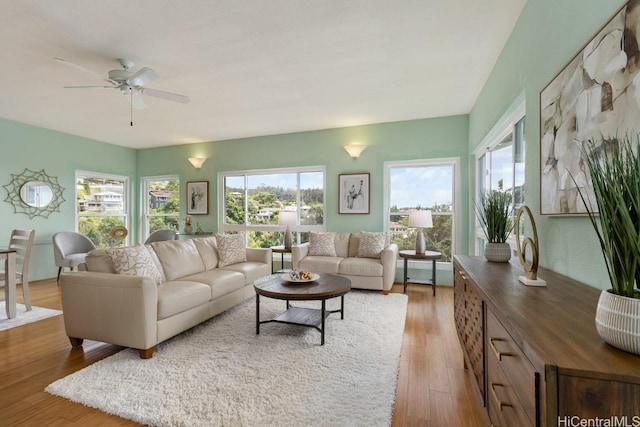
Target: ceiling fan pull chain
[(131, 106)]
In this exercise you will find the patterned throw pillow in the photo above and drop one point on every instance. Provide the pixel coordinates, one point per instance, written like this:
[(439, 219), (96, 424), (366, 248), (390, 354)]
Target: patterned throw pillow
[(322, 244), (371, 244), (231, 249), (134, 261)]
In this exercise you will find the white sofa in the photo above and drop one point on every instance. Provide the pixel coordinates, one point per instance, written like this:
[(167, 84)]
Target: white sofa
[(137, 308), (375, 271)]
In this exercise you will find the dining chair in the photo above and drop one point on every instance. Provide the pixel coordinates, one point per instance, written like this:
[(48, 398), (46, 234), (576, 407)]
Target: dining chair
[(22, 242), (160, 235), (70, 249)]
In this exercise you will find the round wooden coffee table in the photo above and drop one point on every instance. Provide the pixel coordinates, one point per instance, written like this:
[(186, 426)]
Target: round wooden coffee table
[(327, 286)]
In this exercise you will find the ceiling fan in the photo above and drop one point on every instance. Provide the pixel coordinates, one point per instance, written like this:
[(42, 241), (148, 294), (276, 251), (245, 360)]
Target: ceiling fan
[(131, 84)]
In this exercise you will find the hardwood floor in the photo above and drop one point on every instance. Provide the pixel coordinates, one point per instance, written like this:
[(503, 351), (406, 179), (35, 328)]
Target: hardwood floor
[(433, 388)]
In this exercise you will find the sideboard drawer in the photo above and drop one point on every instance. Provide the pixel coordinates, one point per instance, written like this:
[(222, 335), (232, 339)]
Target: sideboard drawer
[(505, 409), (505, 353)]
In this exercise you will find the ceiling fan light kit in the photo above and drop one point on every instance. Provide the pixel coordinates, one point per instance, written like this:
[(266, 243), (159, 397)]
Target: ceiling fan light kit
[(131, 84)]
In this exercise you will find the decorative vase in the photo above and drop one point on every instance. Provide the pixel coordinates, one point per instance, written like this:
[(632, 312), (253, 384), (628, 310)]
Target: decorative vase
[(618, 321), (187, 229), (497, 252)]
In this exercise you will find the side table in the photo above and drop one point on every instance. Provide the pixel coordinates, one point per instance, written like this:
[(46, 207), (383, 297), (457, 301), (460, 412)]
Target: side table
[(428, 255), (280, 250)]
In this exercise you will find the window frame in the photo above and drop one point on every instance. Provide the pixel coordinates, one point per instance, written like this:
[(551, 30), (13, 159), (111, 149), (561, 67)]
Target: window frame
[(126, 198), (247, 228), (454, 162), (506, 126), (145, 215)]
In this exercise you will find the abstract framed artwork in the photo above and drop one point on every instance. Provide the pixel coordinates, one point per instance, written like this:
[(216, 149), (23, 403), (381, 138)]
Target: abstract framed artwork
[(198, 198), (597, 94), (354, 193)]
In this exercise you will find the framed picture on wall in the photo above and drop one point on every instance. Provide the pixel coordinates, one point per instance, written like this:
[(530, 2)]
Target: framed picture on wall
[(354, 193), (593, 96), (198, 198)]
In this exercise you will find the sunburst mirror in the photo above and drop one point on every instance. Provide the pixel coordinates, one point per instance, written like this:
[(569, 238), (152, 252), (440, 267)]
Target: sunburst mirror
[(34, 193)]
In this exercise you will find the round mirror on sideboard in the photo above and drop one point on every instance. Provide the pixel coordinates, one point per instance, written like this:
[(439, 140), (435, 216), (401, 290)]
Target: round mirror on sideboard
[(34, 193)]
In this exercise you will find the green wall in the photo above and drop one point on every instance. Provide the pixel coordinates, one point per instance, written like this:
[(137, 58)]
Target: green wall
[(416, 139), (60, 155), (548, 34)]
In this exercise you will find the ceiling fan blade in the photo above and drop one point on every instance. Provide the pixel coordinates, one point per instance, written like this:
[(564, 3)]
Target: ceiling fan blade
[(142, 77), (79, 67), (89, 87), (165, 95), (136, 100)]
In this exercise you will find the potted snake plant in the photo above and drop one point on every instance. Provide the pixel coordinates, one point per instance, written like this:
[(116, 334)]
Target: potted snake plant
[(495, 214), (614, 172)]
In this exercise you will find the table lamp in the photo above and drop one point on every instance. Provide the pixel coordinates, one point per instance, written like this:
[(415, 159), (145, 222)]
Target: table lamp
[(420, 219), (287, 218)]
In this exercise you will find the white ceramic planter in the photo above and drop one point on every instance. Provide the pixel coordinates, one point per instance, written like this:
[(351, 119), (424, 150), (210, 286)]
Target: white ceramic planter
[(497, 252), (618, 321)]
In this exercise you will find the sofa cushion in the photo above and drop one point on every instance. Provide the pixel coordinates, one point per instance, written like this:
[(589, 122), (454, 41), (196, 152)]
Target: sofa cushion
[(179, 258), (208, 251), (361, 267), (322, 244), (321, 264), (354, 242), (98, 261), (231, 249), (371, 245), (220, 281), (134, 261), (178, 295), (341, 243), (252, 271)]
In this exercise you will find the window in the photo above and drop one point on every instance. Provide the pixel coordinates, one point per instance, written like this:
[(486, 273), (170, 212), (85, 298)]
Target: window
[(101, 204), (502, 164), (252, 200), (161, 208), (422, 184)]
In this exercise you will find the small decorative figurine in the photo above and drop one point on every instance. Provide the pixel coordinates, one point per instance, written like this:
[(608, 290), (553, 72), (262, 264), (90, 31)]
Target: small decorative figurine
[(530, 269)]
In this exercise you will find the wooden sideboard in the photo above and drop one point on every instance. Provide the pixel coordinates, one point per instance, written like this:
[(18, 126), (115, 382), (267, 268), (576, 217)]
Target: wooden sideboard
[(535, 352)]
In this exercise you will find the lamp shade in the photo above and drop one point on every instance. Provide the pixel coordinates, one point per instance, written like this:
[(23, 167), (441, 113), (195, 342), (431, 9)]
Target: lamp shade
[(420, 219), (287, 218)]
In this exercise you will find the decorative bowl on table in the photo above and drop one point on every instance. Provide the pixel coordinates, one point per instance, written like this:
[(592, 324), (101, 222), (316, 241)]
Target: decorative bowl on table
[(299, 276)]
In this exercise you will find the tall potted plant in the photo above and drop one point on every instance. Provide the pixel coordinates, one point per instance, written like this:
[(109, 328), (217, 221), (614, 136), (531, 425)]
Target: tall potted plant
[(495, 213), (614, 171)]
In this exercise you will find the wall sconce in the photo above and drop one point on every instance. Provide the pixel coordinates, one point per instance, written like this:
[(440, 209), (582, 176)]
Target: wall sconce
[(355, 150), (197, 162), (420, 219)]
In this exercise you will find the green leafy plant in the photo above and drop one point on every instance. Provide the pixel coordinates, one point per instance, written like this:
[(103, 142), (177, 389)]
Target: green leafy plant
[(495, 214), (614, 169)]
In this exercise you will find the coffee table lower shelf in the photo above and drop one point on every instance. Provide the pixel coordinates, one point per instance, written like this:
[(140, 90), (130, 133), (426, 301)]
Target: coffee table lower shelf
[(302, 316)]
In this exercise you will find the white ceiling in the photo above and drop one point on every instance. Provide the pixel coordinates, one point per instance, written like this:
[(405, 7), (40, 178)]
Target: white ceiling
[(250, 67)]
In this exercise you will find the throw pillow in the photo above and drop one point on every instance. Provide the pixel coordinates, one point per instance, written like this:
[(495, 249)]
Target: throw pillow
[(322, 244), (371, 245), (231, 249), (134, 261)]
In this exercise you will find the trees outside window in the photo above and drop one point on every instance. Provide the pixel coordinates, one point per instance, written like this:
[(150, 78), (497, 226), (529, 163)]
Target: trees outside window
[(422, 184), (102, 203), (252, 202), (161, 208)]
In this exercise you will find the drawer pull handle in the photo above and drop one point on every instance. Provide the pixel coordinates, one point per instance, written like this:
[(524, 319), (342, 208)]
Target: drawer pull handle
[(497, 352), (499, 402)]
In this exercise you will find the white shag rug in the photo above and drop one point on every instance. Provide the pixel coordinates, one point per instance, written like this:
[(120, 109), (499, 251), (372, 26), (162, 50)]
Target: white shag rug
[(221, 373), (23, 316)]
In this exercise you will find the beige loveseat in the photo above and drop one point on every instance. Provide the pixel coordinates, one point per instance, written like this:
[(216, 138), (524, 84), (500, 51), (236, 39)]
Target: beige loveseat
[(367, 259), (160, 290)]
